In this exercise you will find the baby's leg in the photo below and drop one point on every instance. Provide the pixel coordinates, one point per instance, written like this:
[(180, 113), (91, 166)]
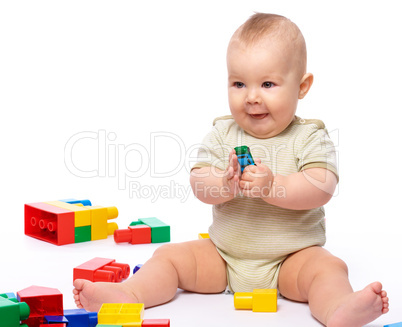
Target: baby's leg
[(194, 266), (315, 276)]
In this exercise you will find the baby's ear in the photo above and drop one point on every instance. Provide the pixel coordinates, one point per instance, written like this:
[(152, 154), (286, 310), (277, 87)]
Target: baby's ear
[(305, 84)]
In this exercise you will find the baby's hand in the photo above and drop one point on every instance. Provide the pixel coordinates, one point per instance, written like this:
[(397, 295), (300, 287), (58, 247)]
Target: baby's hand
[(256, 181), (231, 177)]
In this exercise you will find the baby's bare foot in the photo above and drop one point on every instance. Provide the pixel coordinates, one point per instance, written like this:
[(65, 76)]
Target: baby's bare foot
[(361, 307), (91, 296)]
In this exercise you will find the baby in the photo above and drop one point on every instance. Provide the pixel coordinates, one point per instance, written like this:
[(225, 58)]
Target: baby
[(268, 222)]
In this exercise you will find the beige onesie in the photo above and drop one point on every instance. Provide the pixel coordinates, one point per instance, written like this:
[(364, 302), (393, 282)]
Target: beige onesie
[(252, 236)]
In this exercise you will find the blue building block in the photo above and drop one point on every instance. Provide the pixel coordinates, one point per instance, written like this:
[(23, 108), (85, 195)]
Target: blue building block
[(9, 296), (136, 268), (56, 320), (398, 324), (244, 157), (81, 318), (74, 201)]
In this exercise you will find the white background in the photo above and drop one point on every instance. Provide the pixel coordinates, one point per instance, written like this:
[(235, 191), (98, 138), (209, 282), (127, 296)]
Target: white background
[(123, 91)]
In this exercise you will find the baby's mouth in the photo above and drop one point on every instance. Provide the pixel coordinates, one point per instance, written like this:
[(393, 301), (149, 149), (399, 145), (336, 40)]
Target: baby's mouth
[(259, 116)]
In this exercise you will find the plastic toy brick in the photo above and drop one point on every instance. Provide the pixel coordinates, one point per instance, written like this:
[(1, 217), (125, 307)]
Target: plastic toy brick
[(49, 223), (156, 323), (42, 301), (82, 234), (102, 270), (69, 221), (54, 325), (203, 235), (56, 320), (125, 314), (136, 234), (244, 156), (79, 202), (11, 312), (136, 268), (81, 318), (9, 296), (260, 300), (99, 222), (398, 324), (82, 216), (160, 232)]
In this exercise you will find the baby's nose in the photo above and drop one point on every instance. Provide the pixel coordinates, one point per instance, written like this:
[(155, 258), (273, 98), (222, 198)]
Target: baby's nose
[(253, 96)]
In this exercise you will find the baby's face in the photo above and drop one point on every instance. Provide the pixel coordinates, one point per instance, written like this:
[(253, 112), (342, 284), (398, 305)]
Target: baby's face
[(264, 86)]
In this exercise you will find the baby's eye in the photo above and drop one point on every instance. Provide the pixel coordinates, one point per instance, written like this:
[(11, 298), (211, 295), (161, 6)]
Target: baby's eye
[(267, 85), (239, 85)]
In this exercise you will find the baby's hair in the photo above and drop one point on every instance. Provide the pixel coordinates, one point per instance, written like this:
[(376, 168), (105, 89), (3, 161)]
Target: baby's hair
[(261, 25)]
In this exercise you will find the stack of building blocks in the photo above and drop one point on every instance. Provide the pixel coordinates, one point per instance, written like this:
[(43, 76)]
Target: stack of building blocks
[(260, 300), (143, 231), (12, 311), (42, 301), (127, 315), (102, 270), (43, 306), (69, 221)]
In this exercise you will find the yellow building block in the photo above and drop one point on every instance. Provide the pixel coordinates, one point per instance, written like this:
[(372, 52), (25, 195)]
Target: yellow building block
[(81, 213), (265, 300), (260, 300), (203, 235), (99, 221), (122, 314)]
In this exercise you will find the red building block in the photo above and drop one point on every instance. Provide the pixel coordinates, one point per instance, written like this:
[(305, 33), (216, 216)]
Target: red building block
[(49, 223), (138, 234), (156, 323), (41, 301), (102, 270)]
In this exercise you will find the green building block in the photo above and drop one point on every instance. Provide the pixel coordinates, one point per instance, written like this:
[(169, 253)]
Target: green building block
[(160, 232), (11, 312), (82, 234)]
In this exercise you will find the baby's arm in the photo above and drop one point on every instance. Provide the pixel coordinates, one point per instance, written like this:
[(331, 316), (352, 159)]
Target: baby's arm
[(310, 188), (214, 186)]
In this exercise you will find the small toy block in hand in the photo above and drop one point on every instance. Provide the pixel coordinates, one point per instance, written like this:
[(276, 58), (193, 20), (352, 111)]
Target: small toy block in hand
[(102, 270), (244, 157), (260, 300)]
